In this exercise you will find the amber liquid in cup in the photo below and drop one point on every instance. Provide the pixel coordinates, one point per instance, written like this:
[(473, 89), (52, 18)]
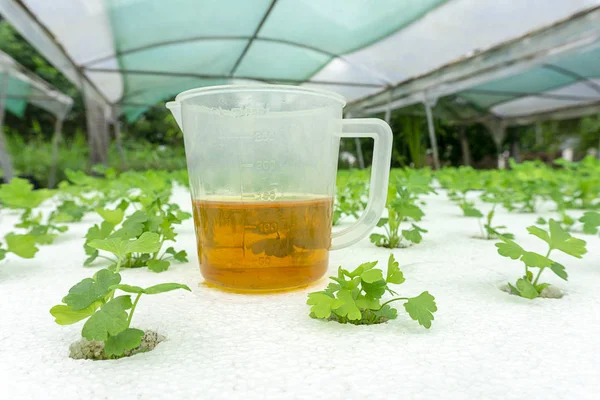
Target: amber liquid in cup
[(263, 246)]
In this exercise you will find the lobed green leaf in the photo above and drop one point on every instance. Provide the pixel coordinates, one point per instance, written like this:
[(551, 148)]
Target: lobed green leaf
[(22, 245), (421, 308), (111, 320), (90, 290), (126, 340), (113, 217), (526, 289), (394, 274), (65, 315)]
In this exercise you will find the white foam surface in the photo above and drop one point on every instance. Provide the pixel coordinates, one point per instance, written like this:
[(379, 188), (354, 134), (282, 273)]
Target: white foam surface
[(484, 343)]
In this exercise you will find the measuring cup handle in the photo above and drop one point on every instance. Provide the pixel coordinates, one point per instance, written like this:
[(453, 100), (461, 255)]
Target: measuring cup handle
[(380, 173)]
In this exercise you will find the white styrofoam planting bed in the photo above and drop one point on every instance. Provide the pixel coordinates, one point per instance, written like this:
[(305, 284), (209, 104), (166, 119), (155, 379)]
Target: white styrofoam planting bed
[(483, 343)]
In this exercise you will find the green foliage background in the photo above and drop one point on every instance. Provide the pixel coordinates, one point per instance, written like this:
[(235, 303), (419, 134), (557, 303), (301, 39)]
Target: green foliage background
[(29, 137)]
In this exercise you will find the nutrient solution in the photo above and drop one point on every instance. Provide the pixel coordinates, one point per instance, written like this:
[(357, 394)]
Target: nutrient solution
[(262, 246)]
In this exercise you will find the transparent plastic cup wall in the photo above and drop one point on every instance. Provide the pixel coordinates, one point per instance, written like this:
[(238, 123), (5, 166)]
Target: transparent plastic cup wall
[(262, 162)]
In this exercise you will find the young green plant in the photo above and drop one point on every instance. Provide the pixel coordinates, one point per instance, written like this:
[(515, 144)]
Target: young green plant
[(155, 217), (355, 297), (401, 208), (19, 195), (487, 229), (23, 246), (557, 238), (591, 222), (108, 318)]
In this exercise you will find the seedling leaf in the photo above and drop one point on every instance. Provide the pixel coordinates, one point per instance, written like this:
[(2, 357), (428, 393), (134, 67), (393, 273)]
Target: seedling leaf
[(65, 315), (113, 217), (508, 248), (394, 274), (111, 320), (165, 287), (321, 304), (526, 289), (89, 290), (559, 270), (421, 308), (21, 245), (345, 306), (128, 339), (158, 265)]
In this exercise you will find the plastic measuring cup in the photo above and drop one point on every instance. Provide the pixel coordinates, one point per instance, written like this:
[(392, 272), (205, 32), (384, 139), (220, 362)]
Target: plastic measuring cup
[(262, 162)]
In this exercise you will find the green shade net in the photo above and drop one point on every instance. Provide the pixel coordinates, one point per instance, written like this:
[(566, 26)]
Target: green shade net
[(219, 41), (566, 71), (17, 94)]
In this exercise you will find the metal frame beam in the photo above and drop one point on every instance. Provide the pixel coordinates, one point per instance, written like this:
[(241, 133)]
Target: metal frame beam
[(166, 43), (431, 129), (56, 139), (256, 31), (557, 114), (576, 33), (5, 159), (209, 76)]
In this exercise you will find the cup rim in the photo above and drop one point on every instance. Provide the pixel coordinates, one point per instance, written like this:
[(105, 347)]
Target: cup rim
[(259, 88)]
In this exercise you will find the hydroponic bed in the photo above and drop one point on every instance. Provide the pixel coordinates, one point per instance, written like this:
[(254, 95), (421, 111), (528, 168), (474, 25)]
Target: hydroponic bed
[(483, 343)]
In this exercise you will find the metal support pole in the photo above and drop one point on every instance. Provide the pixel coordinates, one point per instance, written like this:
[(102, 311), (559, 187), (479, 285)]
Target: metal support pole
[(359, 153), (56, 139), (497, 128), (5, 159), (388, 110), (97, 128), (118, 141), (464, 145), (538, 134), (432, 138)]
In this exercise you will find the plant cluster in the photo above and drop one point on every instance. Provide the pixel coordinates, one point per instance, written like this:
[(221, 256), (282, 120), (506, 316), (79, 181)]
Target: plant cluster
[(153, 216), (350, 199), (403, 205), (355, 297), (529, 286), (108, 318), (19, 195)]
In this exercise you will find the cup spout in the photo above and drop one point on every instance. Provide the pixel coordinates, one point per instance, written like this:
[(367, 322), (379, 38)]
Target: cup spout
[(175, 108)]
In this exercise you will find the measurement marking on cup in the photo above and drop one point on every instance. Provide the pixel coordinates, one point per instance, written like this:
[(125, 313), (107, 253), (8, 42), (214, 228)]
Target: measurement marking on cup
[(266, 165), (262, 165), (264, 136), (264, 195), (236, 137), (268, 227)]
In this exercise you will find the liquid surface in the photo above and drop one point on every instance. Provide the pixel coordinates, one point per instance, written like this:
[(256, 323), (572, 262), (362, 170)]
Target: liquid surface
[(263, 245)]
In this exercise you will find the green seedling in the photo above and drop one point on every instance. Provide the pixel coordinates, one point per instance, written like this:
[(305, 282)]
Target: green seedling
[(355, 297), (108, 318), (19, 195), (487, 229), (68, 211), (401, 208), (23, 246), (349, 200), (154, 217), (591, 222), (579, 183), (557, 239), (565, 221)]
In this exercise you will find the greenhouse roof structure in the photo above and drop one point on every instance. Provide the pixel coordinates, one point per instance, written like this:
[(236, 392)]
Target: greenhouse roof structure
[(18, 87), (23, 87), (138, 52), (553, 72)]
